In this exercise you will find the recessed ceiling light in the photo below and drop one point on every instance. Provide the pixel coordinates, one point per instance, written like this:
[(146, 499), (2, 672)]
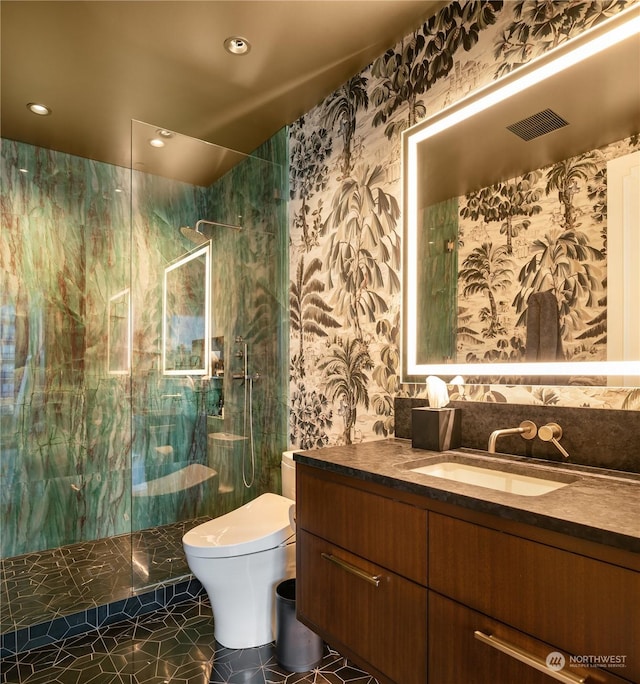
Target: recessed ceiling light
[(237, 45), (164, 133), (156, 142), (39, 109)]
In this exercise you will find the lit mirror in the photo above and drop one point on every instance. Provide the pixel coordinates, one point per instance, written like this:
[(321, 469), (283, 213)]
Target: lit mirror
[(522, 222), (186, 295)]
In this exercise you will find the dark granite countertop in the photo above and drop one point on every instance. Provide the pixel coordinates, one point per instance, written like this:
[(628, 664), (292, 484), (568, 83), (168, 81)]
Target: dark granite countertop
[(598, 505)]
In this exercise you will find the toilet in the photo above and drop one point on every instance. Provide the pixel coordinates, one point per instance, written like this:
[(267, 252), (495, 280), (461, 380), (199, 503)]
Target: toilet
[(288, 469), (240, 558)]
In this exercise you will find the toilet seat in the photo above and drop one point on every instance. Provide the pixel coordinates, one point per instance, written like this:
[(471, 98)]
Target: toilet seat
[(260, 525)]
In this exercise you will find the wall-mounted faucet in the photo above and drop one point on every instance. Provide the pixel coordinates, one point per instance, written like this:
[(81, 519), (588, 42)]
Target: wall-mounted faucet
[(527, 430), (552, 432)]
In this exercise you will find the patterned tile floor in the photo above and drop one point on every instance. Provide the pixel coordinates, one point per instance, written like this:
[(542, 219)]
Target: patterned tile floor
[(170, 646), (49, 584)]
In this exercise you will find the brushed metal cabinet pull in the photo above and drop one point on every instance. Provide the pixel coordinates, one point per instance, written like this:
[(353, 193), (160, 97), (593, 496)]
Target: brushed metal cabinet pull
[(527, 658), (372, 579)]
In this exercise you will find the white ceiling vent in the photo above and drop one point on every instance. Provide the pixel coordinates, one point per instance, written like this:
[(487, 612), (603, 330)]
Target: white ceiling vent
[(538, 124)]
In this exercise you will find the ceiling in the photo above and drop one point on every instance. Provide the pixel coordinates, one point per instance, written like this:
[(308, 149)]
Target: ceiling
[(99, 65), (598, 100)]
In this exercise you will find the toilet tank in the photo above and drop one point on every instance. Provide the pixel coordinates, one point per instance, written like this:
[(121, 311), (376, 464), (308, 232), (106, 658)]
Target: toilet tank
[(288, 475)]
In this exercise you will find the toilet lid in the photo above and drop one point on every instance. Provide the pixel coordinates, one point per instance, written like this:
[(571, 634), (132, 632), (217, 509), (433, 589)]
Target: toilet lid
[(260, 525)]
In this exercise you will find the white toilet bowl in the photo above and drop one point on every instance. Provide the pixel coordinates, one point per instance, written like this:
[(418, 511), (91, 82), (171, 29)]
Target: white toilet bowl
[(240, 558)]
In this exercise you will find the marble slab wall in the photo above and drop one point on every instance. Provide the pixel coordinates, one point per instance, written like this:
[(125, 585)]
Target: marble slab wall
[(84, 448), (65, 421)]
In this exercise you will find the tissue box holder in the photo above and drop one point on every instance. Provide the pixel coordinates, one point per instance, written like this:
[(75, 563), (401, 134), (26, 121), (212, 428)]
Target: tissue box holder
[(436, 429)]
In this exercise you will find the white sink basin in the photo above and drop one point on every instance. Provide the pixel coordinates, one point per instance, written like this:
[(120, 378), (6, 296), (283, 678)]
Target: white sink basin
[(499, 480)]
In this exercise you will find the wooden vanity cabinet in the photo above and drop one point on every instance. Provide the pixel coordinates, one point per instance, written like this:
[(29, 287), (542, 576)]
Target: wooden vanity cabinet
[(417, 591), (364, 610), (579, 605), (361, 574), (457, 656)]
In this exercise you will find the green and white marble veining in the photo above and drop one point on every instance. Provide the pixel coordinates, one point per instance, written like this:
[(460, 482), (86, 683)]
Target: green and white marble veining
[(84, 450), (65, 426)]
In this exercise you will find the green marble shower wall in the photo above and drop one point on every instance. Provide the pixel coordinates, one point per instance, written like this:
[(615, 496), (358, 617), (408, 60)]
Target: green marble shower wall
[(86, 443), (437, 275), (251, 301), (65, 421)]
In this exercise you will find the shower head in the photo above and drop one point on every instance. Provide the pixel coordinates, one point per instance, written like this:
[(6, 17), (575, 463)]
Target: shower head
[(195, 236)]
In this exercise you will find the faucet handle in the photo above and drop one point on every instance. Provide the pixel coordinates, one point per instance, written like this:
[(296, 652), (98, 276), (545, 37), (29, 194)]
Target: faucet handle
[(549, 432), (552, 432)]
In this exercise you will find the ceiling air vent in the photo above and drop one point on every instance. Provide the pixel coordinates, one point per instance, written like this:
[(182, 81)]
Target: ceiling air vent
[(538, 124)]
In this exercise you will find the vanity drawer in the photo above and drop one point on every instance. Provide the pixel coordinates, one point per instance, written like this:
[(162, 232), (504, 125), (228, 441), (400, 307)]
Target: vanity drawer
[(384, 625), (586, 606), (457, 655), (388, 532)]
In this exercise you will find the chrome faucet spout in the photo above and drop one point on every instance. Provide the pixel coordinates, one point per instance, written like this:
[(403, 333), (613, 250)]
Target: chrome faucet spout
[(527, 429)]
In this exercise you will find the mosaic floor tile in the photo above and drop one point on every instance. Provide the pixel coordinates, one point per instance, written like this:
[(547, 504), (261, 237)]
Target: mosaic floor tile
[(158, 555), (36, 584), (41, 586), (170, 646)]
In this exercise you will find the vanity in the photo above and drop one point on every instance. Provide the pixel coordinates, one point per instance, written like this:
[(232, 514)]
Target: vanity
[(419, 578)]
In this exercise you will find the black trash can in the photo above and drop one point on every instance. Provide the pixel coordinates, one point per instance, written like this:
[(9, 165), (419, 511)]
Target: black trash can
[(298, 649)]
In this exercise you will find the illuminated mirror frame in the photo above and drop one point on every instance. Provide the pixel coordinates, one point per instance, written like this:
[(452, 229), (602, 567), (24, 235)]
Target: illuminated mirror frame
[(119, 333), (203, 369), (608, 33)]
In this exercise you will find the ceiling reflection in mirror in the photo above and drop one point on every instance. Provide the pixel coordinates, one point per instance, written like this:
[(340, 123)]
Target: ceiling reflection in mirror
[(522, 222)]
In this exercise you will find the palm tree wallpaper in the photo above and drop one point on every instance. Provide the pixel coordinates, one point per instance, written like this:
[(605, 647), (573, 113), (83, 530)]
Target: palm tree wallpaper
[(544, 230)]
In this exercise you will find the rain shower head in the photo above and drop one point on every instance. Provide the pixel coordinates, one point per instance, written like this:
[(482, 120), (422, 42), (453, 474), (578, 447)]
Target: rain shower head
[(197, 237), (193, 235)]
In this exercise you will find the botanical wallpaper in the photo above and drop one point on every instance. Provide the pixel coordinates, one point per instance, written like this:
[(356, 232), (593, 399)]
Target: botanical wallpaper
[(544, 231), (345, 223)]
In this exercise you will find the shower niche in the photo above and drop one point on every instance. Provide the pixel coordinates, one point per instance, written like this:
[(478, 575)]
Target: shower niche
[(215, 390)]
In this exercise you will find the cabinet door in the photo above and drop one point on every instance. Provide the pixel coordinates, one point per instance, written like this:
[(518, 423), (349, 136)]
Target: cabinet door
[(580, 604), (460, 652), (363, 609), (388, 532)]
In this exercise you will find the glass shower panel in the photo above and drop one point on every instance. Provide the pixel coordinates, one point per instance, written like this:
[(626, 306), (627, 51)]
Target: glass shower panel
[(191, 429), (106, 460)]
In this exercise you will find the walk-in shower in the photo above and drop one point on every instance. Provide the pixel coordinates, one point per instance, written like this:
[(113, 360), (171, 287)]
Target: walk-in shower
[(99, 443)]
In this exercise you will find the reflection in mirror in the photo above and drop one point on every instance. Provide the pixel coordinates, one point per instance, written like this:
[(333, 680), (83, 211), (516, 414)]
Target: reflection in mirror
[(119, 333), (186, 294), (518, 266)]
